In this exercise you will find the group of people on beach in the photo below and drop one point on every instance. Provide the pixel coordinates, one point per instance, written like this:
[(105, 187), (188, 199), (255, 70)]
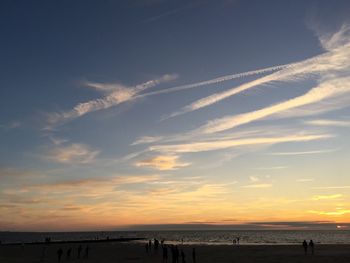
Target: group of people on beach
[(175, 252), (69, 253), (236, 240), (311, 245)]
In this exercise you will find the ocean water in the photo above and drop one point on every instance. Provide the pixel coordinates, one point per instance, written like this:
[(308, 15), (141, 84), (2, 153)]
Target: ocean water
[(212, 237)]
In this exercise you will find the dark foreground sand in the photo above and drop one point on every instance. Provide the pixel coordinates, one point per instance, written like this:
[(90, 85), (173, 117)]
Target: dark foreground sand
[(131, 252)]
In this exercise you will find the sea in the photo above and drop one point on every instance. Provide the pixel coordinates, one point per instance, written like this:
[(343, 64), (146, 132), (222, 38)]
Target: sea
[(210, 237)]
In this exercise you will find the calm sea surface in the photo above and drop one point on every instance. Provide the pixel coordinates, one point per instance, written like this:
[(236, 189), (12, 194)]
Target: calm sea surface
[(213, 237)]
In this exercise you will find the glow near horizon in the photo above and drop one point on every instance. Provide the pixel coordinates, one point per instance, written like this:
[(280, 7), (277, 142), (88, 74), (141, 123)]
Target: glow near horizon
[(171, 173)]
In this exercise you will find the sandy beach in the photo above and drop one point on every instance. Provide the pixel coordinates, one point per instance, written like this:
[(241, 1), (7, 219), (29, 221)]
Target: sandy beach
[(131, 252)]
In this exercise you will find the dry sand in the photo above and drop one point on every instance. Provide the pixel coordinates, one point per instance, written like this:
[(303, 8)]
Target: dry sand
[(131, 252)]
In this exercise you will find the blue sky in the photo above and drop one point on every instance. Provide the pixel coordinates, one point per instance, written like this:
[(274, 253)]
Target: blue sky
[(108, 106)]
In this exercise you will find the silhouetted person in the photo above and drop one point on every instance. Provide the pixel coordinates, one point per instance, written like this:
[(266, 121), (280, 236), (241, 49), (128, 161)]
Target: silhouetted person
[(238, 238), (183, 257), (312, 246), (150, 245), (177, 254), (87, 249), (305, 246), (79, 251), (165, 254), (43, 253), (69, 252), (59, 254), (156, 245), (194, 255), (174, 254)]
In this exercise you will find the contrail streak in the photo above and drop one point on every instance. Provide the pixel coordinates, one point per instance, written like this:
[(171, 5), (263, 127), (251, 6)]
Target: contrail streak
[(334, 60), (217, 80)]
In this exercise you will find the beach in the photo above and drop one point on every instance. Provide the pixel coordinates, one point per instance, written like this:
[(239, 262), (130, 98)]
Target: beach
[(136, 252)]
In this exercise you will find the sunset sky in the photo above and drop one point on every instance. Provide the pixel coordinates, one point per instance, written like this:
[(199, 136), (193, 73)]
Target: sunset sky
[(122, 114)]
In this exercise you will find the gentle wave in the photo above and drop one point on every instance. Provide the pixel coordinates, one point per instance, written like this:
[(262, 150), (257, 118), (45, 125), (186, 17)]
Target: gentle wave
[(213, 237)]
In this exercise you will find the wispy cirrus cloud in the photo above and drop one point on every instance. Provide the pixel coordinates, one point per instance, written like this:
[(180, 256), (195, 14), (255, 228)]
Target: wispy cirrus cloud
[(115, 94), (258, 186), (303, 152), (304, 180), (333, 61), (211, 145), (331, 187), (99, 181), (338, 212), (74, 153), (162, 162), (147, 139), (326, 197), (326, 89), (326, 122), (11, 125), (271, 168)]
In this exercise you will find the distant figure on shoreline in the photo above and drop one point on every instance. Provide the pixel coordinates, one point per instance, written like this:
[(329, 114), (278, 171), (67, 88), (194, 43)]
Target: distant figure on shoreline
[(305, 246), (59, 254), (156, 245), (235, 241), (312, 246)]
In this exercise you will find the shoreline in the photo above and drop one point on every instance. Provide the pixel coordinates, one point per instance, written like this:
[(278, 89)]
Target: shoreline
[(75, 241), (124, 252)]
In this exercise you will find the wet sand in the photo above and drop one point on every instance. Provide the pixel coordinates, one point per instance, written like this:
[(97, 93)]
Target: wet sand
[(131, 252)]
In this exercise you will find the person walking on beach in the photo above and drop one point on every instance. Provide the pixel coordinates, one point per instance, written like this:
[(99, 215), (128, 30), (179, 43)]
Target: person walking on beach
[(43, 253), (165, 254), (183, 257), (177, 254), (156, 245), (194, 255), (69, 252), (312, 246), (172, 250), (59, 254), (150, 246), (146, 247), (79, 251), (87, 249), (305, 246)]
